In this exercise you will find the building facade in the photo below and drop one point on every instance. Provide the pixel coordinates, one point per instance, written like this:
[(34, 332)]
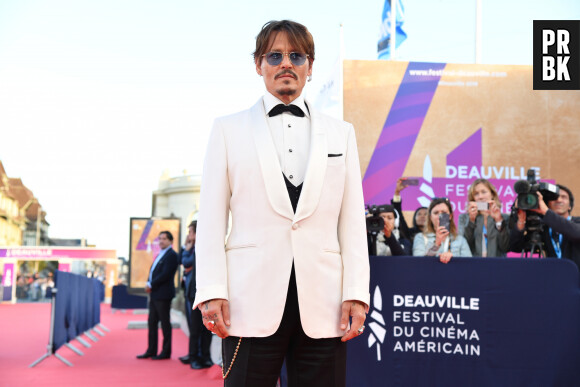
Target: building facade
[(177, 197), (12, 217), (22, 219), (35, 232)]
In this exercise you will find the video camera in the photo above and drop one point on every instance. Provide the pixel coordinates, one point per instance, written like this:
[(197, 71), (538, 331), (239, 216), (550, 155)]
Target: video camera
[(375, 223), (526, 189), (527, 200)]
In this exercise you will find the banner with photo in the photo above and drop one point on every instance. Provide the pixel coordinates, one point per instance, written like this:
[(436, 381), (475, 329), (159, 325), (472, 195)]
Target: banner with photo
[(449, 124), (144, 247)]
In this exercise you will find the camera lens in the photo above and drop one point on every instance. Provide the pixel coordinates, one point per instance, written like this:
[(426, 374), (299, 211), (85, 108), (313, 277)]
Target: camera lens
[(529, 201)]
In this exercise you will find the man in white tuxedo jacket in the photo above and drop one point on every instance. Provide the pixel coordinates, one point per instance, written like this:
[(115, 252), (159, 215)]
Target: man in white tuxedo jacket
[(294, 269)]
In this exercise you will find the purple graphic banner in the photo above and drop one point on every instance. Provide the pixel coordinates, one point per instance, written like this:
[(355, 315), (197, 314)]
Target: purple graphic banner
[(399, 133)]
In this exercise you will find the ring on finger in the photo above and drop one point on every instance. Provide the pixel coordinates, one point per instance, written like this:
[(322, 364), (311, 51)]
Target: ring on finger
[(360, 330)]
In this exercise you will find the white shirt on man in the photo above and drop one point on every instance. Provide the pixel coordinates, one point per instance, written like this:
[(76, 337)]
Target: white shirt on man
[(157, 259), (291, 136)]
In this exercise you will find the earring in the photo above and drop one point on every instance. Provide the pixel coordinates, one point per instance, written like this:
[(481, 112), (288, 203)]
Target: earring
[(309, 78)]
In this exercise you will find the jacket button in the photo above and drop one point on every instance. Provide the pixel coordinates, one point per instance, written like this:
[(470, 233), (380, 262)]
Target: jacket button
[(295, 226)]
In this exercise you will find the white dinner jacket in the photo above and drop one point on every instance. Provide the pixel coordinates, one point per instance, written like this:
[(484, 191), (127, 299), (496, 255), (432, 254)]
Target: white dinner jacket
[(326, 237)]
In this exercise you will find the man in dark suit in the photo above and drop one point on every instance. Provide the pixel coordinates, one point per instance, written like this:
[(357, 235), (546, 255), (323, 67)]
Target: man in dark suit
[(199, 337), (561, 231), (161, 291)]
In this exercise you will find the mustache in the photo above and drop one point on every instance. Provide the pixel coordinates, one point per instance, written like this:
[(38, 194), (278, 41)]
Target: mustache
[(286, 71)]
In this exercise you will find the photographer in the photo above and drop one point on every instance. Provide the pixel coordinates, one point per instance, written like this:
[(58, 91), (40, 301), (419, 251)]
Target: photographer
[(420, 215), (389, 241), (561, 234)]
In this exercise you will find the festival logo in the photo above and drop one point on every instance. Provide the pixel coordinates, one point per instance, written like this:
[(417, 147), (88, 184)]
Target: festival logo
[(377, 326), (463, 166)]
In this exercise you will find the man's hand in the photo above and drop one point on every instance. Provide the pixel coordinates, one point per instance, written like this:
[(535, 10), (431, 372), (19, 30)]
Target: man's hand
[(356, 310), (188, 244), (216, 316), (542, 207), (147, 289), (187, 269), (388, 229)]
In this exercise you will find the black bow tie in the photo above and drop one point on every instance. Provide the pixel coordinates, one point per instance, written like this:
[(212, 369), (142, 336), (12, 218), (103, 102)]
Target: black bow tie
[(281, 108)]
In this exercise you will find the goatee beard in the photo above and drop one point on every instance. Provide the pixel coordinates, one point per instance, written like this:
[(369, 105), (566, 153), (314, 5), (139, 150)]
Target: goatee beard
[(286, 92)]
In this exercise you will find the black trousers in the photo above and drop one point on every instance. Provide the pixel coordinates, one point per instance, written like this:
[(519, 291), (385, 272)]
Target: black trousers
[(159, 311), (199, 336), (310, 362)]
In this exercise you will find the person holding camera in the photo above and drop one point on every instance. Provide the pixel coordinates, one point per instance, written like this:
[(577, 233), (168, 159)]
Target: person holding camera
[(420, 215), (441, 238), (561, 237), (483, 225), (390, 241)]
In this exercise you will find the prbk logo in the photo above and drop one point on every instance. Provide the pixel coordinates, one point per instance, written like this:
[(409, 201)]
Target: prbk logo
[(377, 326), (556, 54)]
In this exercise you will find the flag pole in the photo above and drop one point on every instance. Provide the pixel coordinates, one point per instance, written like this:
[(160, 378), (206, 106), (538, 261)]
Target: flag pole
[(394, 27)]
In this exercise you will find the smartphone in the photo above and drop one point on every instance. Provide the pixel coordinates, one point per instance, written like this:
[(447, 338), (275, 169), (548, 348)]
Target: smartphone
[(444, 220), (408, 182), (482, 206)]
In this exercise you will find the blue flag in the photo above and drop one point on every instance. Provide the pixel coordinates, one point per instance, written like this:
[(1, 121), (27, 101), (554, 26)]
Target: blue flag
[(384, 45)]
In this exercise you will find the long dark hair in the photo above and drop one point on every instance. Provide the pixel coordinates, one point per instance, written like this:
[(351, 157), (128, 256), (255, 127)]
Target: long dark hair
[(437, 201), (415, 216)]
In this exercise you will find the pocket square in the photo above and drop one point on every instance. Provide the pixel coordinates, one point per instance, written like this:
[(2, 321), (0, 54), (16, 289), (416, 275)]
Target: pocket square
[(334, 154)]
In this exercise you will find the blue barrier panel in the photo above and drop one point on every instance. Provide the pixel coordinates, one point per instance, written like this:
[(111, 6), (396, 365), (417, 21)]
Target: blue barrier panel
[(122, 300), (80, 301), (473, 322), (60, 313), (98, 297), (77, 306)]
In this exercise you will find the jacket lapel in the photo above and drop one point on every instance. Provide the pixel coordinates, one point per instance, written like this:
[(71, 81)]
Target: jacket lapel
[(269, 164), (315, 170)]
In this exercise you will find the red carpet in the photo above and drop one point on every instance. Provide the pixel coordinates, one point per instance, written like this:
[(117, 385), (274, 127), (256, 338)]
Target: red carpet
[(109, 362)]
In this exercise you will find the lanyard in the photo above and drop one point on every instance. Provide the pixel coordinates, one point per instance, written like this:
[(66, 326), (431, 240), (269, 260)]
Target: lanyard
[(557, 244), (484, 242)]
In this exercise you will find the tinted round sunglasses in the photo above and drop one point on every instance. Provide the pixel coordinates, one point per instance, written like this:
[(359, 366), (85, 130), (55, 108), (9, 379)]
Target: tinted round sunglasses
[(274, 58)]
